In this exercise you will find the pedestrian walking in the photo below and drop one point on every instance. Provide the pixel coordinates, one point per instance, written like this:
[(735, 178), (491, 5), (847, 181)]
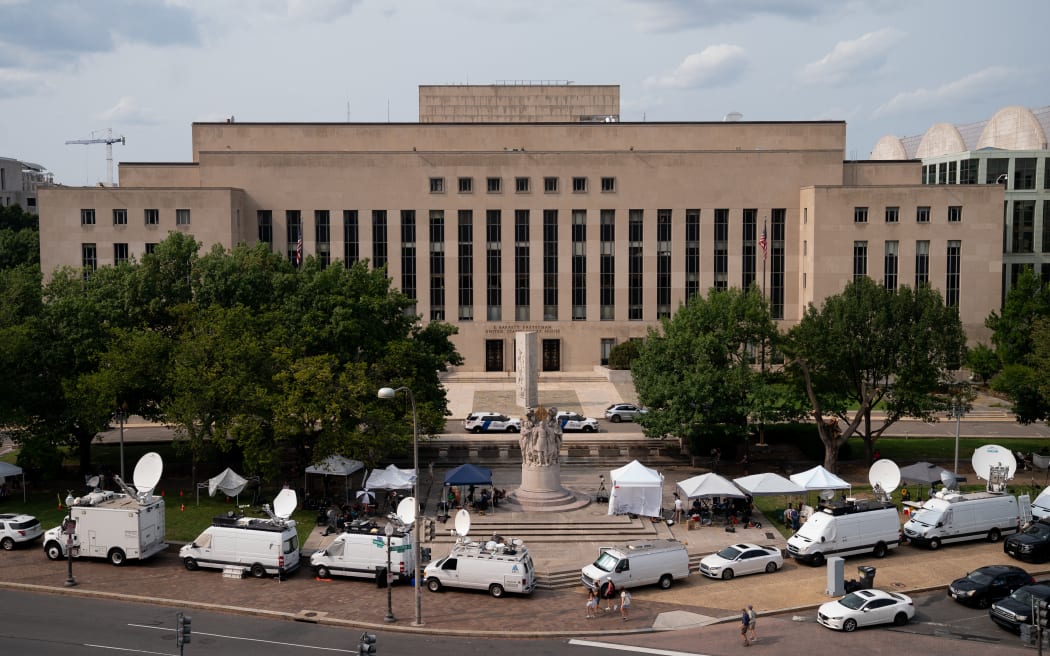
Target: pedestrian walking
[(751, 624), (592, 604), (608, 592), (625, 604), (745, 621)]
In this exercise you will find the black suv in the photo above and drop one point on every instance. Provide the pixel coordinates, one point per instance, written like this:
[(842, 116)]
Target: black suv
[(1016, 610), (987, 584), (1032, 544)]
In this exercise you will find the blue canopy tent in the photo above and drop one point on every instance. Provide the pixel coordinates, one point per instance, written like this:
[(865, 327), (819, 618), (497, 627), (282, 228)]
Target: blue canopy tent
[(469, 474)]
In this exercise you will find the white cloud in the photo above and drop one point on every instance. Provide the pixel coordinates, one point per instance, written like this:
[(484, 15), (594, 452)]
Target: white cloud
[(128, 111), (852, 60), (981, 84), (713, 66), (678, 15), (15, 83)]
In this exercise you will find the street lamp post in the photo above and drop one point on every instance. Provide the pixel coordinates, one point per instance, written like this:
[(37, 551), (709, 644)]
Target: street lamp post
[(957, 411), (390, 393), (389, 531), (122, 411), (69, 528)]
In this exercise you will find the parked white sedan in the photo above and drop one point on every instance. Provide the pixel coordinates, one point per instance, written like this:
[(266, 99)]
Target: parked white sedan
[(739, 559), (866, 607)]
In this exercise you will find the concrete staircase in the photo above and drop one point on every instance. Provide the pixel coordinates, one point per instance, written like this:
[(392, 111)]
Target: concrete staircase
[(580, 452)]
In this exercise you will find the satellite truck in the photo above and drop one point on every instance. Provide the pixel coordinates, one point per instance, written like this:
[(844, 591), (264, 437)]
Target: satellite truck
[(113, 525)]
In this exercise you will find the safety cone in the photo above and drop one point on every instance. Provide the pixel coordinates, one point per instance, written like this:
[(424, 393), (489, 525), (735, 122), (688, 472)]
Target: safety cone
[(59, 501), (180, 492), (162, 493), (183, 509)]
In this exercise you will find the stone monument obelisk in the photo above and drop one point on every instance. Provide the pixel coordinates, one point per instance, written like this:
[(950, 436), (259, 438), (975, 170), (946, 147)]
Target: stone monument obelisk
[(526, 371)]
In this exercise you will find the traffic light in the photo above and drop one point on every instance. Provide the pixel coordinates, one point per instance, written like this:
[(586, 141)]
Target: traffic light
[(367, 645), (182, 629), (1042, 614)]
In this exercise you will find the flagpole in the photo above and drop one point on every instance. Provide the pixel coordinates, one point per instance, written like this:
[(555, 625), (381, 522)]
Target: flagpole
[(765, 247)]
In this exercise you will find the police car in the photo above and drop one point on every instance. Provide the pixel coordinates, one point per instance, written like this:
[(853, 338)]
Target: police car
[(477, 422), (571, 421)]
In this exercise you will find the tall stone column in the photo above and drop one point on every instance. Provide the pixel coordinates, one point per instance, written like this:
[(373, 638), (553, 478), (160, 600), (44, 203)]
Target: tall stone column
[(526, 357)]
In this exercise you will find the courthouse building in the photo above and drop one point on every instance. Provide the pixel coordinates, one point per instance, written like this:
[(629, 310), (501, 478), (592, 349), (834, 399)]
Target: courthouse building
[(532, 207)]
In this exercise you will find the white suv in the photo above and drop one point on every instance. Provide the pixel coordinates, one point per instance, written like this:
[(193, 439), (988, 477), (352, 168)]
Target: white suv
[(477, 422), (571, 421), (16, 529), (618, 412)]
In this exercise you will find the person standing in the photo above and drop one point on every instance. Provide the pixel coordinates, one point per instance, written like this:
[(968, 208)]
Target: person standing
[(608, 592), (592, 604), (625, 603), (678, 508), (745, 621), (751, 624)]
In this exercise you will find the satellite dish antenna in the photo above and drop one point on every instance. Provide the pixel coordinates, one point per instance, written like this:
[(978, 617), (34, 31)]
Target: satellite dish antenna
[(827, 495), (147, 473), (93, 482), (993, 455), (284, 504), (462, 523), (948, 480), (884, 477), (406, 510)]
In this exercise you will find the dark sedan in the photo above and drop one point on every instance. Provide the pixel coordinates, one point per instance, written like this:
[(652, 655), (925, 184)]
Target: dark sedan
[(987, 584), (1032, 544), (1016, 610)]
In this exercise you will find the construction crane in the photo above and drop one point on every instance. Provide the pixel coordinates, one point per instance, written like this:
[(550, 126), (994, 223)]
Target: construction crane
[(109, 140)]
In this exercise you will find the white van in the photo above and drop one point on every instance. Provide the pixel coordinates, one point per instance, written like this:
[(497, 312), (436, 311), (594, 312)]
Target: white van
[(496, 567), (954, 517), (638, 563), (855, 526), (1041, 505), (360, 552), (258, 546)]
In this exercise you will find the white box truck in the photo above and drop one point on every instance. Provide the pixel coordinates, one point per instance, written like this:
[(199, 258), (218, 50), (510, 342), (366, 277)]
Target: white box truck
[(360, 552), (847, 528), (642, 562), (951, 516), (498, 567), (112, 525)]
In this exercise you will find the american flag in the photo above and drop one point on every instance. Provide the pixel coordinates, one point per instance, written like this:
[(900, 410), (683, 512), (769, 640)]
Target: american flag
[(762, 242), (299, 248)]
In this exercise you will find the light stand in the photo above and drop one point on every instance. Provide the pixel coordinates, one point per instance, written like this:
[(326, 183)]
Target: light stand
[(69, 528), (390, 393), (389, 531)]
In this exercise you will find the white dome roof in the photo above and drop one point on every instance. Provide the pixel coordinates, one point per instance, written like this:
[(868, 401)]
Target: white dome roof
[(1013, 128), (889, 148), (940, 139)]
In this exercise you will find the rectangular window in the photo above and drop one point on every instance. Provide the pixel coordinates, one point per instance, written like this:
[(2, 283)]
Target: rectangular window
[(579, 185), (607, 265), (152, 216), (720, 244), (494, 264), (889, 267), (663, 263), (608, 185), (88, 258), (634, 264), (607, 345), (747, 247), (1024, 172), (954, 213), (351, 238), (120, 217), (922, 214), (778, 237), (494, 185), (1023, 227), (925, 174), (521, 185), (437, 266), (860, 259), (182, 217), (951, 172), (692, 253), (922, 263), (466, 185), (860, 215), (996, 170), (968, 171), (465, 265), (942, 173), (550, 185), (893, 214), (264, 219), (579, 265), (954, 273), (437, 185), (293, 233), (151, 247), (87, 217), (408, 254), (1046, 226), (1046, 173), (323, 237), (521, 265), (379, 239), (120, 254), (550, 265)]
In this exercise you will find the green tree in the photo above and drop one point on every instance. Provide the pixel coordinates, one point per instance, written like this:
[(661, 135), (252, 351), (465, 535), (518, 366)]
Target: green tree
[(868, 347), (983, 361), (622, 355), (1026, 303), (702, 367)]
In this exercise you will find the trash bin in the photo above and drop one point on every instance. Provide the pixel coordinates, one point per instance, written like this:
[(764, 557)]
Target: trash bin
[(865, 581)]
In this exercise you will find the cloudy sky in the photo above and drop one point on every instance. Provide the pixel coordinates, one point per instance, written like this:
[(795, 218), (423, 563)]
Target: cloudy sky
[(147, 69)]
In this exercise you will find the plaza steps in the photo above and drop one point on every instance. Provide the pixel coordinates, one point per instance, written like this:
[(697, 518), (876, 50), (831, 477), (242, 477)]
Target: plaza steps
[(580, 452)]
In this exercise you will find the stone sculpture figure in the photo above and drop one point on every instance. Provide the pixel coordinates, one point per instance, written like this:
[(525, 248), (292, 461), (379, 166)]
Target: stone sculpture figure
[(540, 437)]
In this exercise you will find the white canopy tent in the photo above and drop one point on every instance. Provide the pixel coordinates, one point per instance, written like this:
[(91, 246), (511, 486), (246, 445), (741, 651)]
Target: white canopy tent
[(708, 485), (228, 482), (819, 478), (336, 465), (636, 489), (7, 470), (391, 478), (768, 484)]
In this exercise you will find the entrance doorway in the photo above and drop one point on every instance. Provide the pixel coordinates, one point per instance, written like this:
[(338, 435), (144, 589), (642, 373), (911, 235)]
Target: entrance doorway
[(493, 355), (552, 355)]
